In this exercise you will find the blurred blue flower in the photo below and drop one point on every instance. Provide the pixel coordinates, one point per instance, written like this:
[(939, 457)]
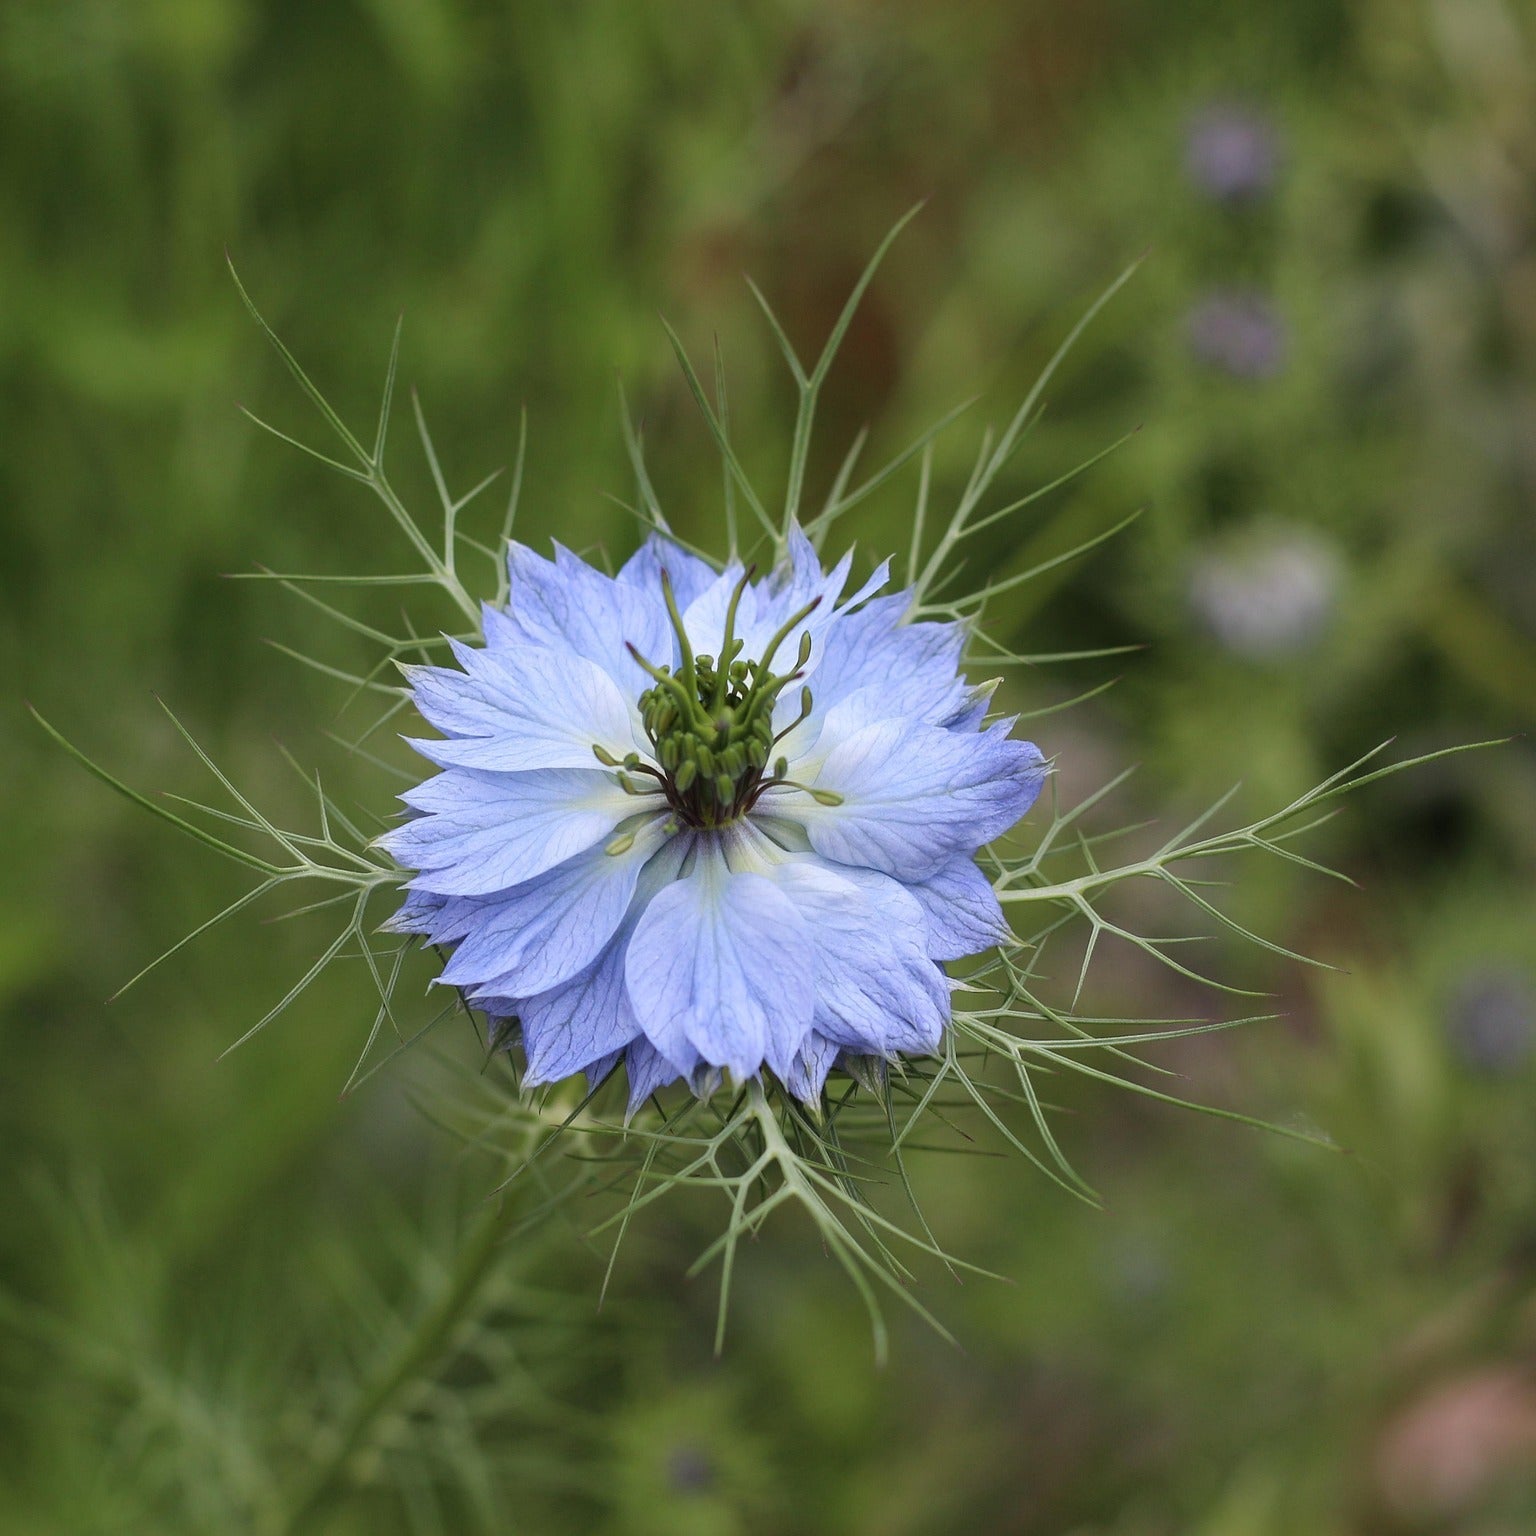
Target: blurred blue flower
[(1239, 332), (690, 1469), (1268, 593), (707, 822), (1491, 1021), (1231, 152)]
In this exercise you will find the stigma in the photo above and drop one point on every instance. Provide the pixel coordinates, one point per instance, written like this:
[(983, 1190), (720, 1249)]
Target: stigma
[(710, 721)]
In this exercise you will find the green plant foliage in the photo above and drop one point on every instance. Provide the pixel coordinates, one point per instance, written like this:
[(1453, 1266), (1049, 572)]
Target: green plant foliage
[(333, 1284)]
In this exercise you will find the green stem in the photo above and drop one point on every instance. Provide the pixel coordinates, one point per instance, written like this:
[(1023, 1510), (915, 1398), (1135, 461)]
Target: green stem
[(415, 1355)]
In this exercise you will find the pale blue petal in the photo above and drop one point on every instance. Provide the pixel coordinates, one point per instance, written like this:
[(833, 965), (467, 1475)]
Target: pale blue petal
[(574, 1024), (591, 1012), (688, 574), (790, 589), (485, 832), (541, 933), (913, 795), (961, 909), (764, 607), (648, 1071), (504, 1029), (972, 711), (814, 737), (877, 990), (519, 707), (720, 964), (808, 1071), (597, 1071), (497, 629), (801, 578), (915, 666), (567, 605), (704, 1080), (419, 912), (704, 615)]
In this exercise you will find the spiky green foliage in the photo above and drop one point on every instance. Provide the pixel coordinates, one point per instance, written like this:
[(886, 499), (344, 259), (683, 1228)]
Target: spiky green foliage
[(755, 1151), (430, 1387)]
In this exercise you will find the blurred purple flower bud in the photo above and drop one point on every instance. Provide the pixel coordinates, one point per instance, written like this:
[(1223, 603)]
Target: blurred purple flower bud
[(1268, 596), (1491, 1021), (1231, 152), (690, 1469), (1238, 331)]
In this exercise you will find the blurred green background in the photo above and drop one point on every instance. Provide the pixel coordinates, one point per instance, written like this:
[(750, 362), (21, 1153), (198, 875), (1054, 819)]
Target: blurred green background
[(1331, 356)]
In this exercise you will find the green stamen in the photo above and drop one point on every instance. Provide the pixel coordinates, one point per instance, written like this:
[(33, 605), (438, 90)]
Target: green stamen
[(685, 672), (783, 634), (710, 723), (728, 646)]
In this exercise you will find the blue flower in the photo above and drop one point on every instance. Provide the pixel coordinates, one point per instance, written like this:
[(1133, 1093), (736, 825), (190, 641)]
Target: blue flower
[(1268, 593), (707, 823), (1231, 152), (1492, 1020), (1238, 332)]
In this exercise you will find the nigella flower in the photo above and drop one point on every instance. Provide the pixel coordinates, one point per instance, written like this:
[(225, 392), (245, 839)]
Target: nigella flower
[(706, 822), (1231, 153), (1492, 1021), (1239, 332), (1267, 594)]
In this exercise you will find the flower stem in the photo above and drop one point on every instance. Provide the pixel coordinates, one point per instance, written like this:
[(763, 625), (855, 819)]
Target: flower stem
[(416, 1354)]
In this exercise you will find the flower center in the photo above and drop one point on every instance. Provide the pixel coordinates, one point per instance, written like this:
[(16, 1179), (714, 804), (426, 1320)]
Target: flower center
[(713, 739), (710, 723)]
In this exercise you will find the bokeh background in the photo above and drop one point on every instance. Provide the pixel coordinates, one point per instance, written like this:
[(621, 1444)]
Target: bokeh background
[(1330, 353)]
